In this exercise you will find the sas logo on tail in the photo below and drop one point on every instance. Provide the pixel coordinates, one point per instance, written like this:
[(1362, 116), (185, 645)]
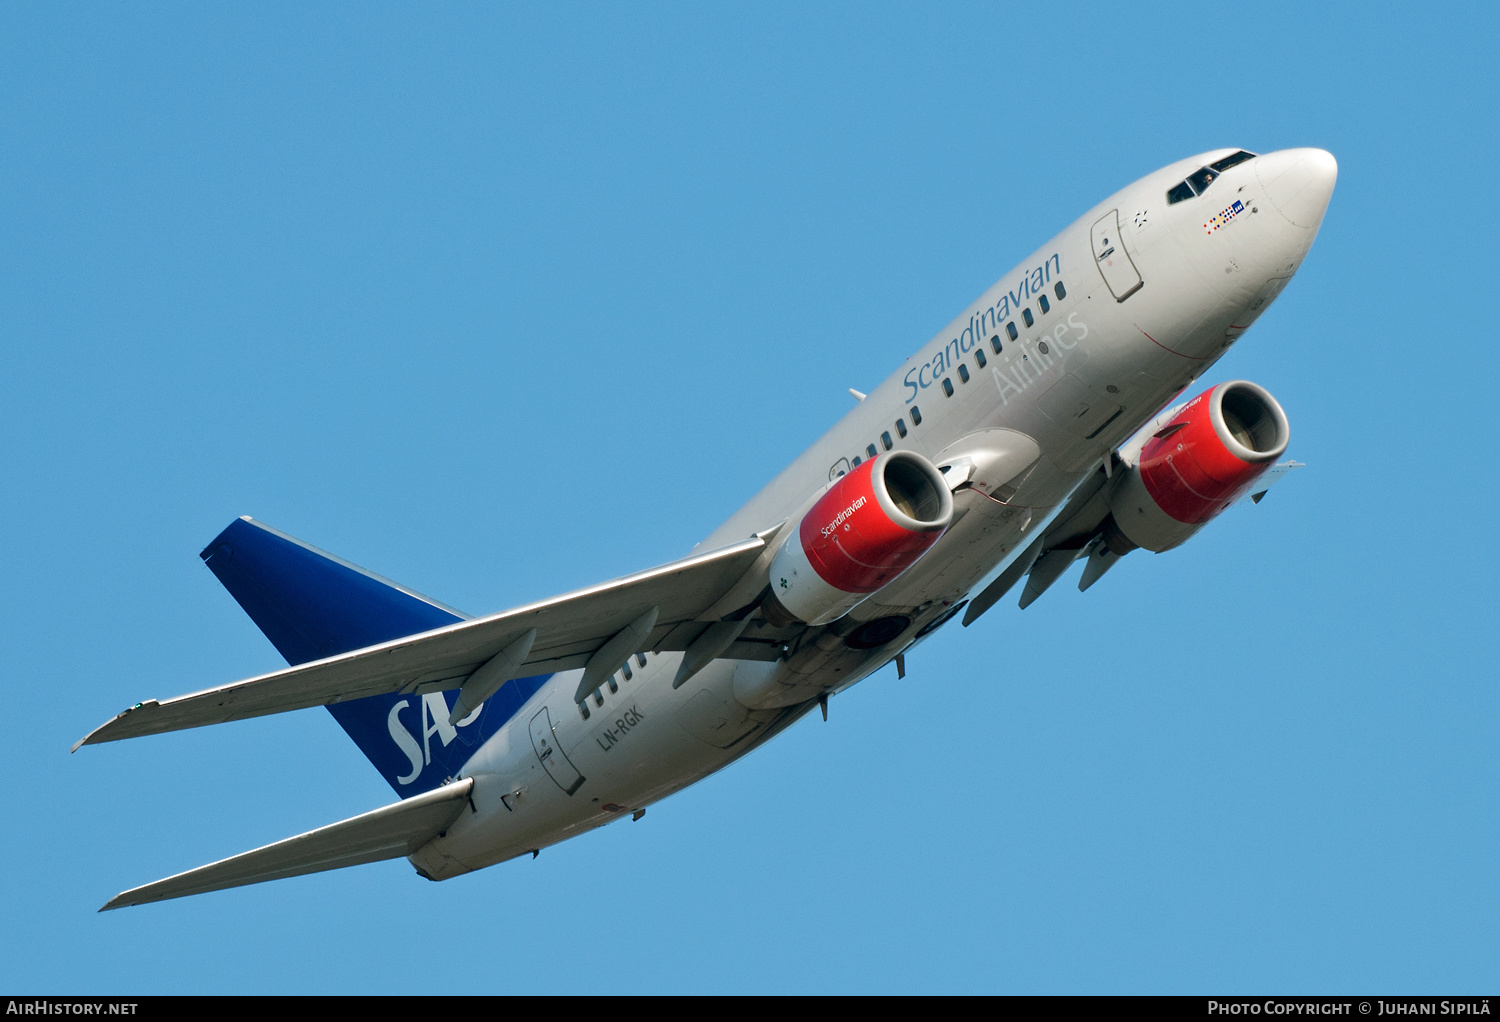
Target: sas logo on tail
[(1223, 216), (433, 724)]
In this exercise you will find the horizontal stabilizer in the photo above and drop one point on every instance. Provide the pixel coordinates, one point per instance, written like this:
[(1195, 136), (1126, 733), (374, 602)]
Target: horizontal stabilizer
[(390, 832), (570, 630)]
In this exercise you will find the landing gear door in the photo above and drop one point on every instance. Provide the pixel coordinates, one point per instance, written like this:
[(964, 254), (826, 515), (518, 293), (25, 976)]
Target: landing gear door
[(549, 752), (1113, 261)]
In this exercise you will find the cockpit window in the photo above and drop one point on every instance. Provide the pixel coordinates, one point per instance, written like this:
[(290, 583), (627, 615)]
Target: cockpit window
[(1178, 192), (1199, 181), (1231, 161), (1202, 179)]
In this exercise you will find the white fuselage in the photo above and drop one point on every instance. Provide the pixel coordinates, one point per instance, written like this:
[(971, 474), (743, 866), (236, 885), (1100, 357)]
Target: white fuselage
[(1078, 380)]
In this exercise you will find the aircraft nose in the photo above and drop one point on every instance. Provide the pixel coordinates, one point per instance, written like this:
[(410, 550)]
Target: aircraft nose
[(1299, 183)]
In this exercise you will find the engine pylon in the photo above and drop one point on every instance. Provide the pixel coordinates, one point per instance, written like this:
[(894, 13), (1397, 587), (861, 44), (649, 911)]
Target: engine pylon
[(871, 525)]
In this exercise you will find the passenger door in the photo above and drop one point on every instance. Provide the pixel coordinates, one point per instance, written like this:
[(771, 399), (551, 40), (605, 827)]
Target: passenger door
[(1114, 262)]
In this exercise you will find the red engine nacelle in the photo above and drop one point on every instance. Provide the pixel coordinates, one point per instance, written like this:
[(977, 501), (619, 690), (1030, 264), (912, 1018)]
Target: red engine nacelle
[(871, 525), (1209, 455)]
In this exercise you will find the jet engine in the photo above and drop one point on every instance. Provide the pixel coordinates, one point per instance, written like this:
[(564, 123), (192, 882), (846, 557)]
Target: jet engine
[(1206, 457), (871, 525)]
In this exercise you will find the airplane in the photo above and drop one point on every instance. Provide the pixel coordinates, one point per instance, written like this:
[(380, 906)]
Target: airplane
[(1036, 430)]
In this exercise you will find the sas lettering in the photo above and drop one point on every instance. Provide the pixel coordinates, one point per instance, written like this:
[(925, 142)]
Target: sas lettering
[(434, 711)]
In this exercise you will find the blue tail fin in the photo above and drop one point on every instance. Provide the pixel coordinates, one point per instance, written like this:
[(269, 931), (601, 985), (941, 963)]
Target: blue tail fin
[(311, 605)]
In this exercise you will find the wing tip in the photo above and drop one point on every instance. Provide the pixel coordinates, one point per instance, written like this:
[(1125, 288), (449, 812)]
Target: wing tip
[(119, 901), (124, 900), (94, 736)]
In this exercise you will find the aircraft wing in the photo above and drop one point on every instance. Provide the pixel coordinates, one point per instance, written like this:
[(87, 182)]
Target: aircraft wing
[(1275, 474), (387, 833), (663, 608)]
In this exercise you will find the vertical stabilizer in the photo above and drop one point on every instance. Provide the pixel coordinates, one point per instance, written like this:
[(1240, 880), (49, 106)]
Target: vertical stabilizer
[(311, 605)]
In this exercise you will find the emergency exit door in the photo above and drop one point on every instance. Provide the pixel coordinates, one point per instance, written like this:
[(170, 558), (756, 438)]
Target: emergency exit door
[(554, 761)]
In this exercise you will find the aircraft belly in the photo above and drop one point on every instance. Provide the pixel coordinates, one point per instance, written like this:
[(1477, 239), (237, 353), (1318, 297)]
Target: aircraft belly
[(646, 741)]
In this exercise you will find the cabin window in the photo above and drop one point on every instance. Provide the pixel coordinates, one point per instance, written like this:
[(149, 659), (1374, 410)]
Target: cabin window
[(857, 460), (1178, 192), (947, 386), (916, 416), (979, 357), (598, 697), (583, 710), (885, 439), (1010, 328), (628, 674), (995, 343), (1201, 180), (640, 658), (1046, 305), (901, 428), (614, 686), (1231, 161), (871, 451), (1026, 315), (1059, 290), (963, 372)]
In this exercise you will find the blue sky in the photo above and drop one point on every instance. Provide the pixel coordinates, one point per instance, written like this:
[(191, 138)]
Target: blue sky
[(503, 300)]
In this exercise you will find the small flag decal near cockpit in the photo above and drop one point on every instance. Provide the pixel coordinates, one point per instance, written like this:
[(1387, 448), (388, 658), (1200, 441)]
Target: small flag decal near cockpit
[(1223, 216)]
